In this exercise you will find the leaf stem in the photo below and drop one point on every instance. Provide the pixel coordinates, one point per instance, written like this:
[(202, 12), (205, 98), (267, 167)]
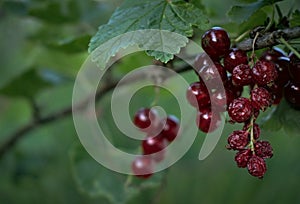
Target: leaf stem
[(283, 41)]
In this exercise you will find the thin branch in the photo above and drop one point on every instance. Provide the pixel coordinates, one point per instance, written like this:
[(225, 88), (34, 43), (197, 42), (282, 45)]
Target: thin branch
[(267, 40), (270, 39)]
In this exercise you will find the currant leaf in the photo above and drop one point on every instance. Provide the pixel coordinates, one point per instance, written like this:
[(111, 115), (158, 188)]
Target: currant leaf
[(295, 18), (174, 16), (241, 13)]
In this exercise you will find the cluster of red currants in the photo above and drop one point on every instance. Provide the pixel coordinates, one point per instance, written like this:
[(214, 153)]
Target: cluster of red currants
[(265, 78), (159, 132)]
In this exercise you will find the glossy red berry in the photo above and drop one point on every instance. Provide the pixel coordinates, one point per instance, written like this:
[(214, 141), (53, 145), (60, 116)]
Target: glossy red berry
[(234, 58), (153, 145), (276, 92), (171, 128), (292, 94), (197, 95), (211, 73), (142, 167), (240, 110), (295, 68), (215, 42), (264, 72), (282, 67), (143, 118), (261, 98), (238, 140), (242, 75), (272, 54), (263, 149), (257, 166), (242, 157), (208, 121)]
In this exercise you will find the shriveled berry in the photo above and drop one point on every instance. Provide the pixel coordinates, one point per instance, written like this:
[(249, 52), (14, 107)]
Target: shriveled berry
[(242, 75), (257, 166), (242, 157), (263, 149), (142, 167), (234, 58), (171, 128), (238, 140), (264, 72), (215, 42), (261, 98), (143, 118), (292, 94), (208, 121), (240, 110), (197, 95)]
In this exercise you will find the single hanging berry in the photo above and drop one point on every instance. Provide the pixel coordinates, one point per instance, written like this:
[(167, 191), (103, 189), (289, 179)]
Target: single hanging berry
[(238, 140), (264, 72), (242, 157), (242, 75), (208, 121), (144, 118), (263, 149), (215, 42), (142, 167), (170, 130), (292, 94), (234, 58), (261, 98), (240, 110), (197, 95), (257, 166)]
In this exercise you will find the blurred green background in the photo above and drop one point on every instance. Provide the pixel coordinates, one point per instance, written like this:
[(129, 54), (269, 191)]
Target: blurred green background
[(43, 44)]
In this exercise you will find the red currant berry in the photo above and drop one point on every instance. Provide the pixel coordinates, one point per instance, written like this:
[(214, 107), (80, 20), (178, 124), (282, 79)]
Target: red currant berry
[(215, 42), (264, 72), (295, 68), (283, 66), (238, 140), (171, 128), (234, 58), (197, 95), (292, 94), (257, 166), (242, 157), (277, 93), (236, 90), (208, 121), (153, 145), (273, 54), (143, 118), (263, 149), (240, 110), (142, 167), (242, 75), (261, 98)]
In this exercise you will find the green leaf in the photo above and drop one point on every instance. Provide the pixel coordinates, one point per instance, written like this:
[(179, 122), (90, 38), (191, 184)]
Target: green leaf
[(72, 44), (295, 20), (176, 16), (28, 85), (97, 181), (241, 13)]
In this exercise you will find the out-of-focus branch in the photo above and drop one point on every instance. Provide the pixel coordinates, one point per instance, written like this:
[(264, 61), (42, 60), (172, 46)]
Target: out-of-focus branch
[(266, 40)]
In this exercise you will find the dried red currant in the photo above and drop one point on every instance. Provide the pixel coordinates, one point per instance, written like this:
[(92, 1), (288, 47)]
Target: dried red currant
[(240, 110), (238, 140), (242, 157)]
